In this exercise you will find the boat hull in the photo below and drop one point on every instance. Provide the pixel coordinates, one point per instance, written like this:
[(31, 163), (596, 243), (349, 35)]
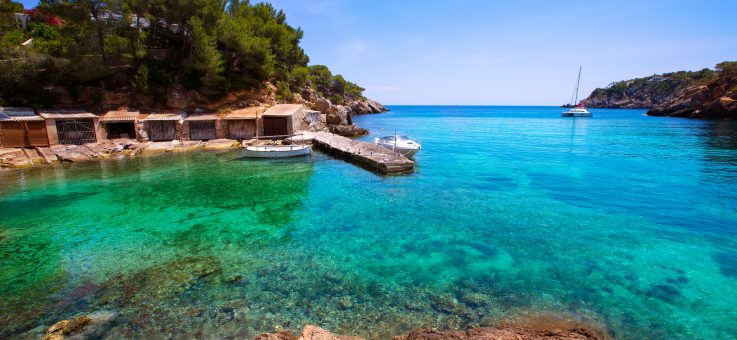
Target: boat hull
[(277, 151), (407, 151), (576, 114)]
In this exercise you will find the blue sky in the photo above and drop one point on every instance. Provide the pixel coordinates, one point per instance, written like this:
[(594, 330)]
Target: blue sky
[(523, 52)]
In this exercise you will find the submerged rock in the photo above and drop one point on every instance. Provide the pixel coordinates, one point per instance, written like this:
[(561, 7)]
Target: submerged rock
[(475, 299), (159, 282), (91, 326)]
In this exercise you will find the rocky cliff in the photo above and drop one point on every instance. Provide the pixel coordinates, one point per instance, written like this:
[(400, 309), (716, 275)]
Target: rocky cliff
[(648, 92), (338, 117), (715, 99)]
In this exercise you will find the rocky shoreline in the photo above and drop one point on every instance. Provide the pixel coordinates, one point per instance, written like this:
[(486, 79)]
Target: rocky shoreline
[(337, 120), (20, 158), (716, 100), (647, 92), (95, 325), (311, 332), (705, 94)]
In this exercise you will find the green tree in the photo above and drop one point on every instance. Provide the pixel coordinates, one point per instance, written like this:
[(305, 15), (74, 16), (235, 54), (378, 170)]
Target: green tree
[(150, 45), (208, 61), (728, 69)]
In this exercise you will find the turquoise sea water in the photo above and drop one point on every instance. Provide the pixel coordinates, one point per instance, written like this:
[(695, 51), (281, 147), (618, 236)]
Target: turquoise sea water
[(622, 220)]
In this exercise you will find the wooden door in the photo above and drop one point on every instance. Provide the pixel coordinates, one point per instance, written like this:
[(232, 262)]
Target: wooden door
[(37, 135), (242, 129), (163, 130), (202, 130), (14, 135), (275, 126)]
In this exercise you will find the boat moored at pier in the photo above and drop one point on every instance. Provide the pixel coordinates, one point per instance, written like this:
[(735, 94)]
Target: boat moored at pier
[(277, 151), (400, 144)]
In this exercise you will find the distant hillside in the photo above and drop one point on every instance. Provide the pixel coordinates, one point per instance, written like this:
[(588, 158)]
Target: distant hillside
[(715, 98), (648, 92)]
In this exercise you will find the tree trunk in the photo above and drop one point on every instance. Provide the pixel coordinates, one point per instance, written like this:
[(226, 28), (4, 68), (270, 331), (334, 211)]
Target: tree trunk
[(100, 34)]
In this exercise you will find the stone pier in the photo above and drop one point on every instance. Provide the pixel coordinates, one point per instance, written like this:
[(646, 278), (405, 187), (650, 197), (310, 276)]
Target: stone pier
[(371, 156)]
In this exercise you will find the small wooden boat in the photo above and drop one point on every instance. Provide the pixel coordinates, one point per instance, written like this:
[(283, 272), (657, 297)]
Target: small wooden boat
[(277, 151)]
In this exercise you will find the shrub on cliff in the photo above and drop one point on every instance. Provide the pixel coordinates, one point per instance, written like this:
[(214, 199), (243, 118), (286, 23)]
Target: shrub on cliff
[(728, 69)]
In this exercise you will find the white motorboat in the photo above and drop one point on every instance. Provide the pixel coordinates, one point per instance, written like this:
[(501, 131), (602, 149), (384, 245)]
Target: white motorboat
[(401, 144), (277, 151), (578, 109)]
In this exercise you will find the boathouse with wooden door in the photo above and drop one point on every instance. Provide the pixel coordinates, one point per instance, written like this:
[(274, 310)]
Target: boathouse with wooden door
[(21, 127), (121, 124), (278, 121), (71, 127), (202, 126), (243, 124), (164, 126)]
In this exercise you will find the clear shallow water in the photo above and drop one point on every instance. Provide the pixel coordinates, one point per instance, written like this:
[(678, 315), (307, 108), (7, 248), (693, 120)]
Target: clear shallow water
[(625, 220)]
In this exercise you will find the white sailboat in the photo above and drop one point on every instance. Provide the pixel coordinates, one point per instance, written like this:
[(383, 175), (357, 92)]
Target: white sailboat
[(579, 110)]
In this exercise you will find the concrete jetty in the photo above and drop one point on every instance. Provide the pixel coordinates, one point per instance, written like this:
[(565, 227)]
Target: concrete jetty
[(368, 155)]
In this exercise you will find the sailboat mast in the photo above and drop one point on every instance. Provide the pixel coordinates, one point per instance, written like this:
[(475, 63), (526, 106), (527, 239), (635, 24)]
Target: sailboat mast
[(578, 82)]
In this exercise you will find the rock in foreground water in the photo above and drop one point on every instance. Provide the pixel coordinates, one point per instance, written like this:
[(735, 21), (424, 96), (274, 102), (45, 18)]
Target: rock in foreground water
[(503, 333), (84, 327), (482, 333)]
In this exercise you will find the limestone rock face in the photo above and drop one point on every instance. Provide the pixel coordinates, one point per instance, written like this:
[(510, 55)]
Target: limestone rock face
[(74, 153), (179, 97), (367, 106), (322, 105), (348, 130), (715, 101), (14, 158), (647, 92), (339, 115)]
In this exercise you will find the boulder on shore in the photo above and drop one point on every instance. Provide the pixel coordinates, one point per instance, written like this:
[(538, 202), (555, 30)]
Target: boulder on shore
[(348, 130), (367, 106), (339, 115)]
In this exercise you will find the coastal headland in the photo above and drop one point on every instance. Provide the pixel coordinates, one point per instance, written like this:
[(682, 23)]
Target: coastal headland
[(706, 94)]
